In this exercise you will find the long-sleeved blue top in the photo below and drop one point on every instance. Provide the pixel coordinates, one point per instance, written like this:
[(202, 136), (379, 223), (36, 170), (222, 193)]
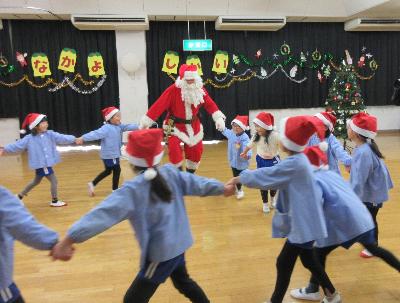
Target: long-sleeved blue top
[(42, 148), (335, 152), (369, 176), (111, 138), (236, 145), (345, 215), (162, 229), (298, 214), (16, 223)]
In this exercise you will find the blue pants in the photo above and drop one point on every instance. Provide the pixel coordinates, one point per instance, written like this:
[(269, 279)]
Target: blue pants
[(11, 294), (261, 162)]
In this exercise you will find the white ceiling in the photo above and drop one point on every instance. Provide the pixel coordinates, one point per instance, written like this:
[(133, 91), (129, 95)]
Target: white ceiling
[(294, 10)]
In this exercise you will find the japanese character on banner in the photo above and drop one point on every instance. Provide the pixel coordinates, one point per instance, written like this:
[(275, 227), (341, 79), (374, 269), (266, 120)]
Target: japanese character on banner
[(221, 61), (171, 62), (96, 65), (195, 60), (40, 65), (67, 60)]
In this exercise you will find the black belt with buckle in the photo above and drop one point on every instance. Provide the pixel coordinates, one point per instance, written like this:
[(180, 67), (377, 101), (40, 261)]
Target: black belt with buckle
[(184, 121)]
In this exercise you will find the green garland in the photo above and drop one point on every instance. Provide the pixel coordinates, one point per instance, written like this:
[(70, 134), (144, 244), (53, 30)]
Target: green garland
[(315, 65)]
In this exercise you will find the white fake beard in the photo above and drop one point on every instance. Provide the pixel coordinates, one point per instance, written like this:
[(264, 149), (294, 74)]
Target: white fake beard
[(192, 93)]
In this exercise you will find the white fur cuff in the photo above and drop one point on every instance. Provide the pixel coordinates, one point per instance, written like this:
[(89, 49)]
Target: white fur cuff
[(145, 122), (218, 114)]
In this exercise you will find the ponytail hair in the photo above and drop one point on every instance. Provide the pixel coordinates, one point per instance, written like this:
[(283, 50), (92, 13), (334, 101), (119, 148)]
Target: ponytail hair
[(373, 146), (158, 185), (327, 133)]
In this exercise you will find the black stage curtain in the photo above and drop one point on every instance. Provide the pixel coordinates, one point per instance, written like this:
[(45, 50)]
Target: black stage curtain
[(277, 91), (68, 111)]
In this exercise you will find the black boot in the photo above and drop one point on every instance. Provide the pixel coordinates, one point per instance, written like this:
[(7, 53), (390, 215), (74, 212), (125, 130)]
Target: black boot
[(188, 170)]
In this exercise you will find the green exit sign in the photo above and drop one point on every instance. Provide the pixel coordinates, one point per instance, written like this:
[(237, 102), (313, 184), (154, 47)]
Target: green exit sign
[(197, 45)]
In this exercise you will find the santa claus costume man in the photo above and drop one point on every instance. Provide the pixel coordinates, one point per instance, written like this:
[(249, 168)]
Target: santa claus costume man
[(182, 101)]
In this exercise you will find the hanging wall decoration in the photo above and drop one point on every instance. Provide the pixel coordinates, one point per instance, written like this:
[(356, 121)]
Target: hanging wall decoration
[(5, 67), (171, 62), (71, 83), (21, 58), (359, 69), (195, 60), (67, 60), (262, 67), (95, 65), (221, 61), (40, 65)]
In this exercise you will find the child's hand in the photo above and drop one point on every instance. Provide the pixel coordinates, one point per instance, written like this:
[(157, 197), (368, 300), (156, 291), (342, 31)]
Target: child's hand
[(229, 189), (1, 151), (79, 141), (244, 156), (63, 250), (233, 181)]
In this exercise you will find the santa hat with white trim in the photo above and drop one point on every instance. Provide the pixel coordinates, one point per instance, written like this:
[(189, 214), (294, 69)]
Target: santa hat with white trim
[(364, 125), (242, 121), (109, 112), (296, 131), (188, 72), (265, 120), (144, 149), (328, 119), (31, 120), (317, 157)]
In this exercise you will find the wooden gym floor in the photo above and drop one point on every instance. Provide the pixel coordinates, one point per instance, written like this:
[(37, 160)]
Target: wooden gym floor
[(233, 257)]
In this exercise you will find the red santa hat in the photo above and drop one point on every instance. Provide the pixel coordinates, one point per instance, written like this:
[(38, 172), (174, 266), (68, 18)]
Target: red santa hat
[(364, 125), (317, 157), (296, 131), (242, 121), (328, 119), (265, 120), (31, 120), (109, 112), (188, 72), (144, 149)]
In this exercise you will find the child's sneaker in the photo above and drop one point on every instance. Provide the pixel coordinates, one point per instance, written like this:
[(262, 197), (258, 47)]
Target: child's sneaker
[(274, 199), (90, 189), (302, 294), (366, 254), (58, 203), (334, 299), (239, 194), (266, 208)]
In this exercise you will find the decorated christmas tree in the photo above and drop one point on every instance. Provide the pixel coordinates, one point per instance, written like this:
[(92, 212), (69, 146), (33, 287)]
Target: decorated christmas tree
[(344, 98)]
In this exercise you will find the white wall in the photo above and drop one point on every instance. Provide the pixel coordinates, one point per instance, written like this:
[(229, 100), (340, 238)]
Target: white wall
[(388, 116), (9, 130), (132, 88)]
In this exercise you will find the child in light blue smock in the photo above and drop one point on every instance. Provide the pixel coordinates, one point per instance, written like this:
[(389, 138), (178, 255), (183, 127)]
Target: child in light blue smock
[(298, 215), (153, 203), (110, 135), (369, 176), (16, 223), (347, 219), (237, 142), (335, 151), (41, 145)]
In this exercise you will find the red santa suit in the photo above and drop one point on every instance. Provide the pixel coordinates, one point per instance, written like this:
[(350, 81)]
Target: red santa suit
[(187, 127)]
